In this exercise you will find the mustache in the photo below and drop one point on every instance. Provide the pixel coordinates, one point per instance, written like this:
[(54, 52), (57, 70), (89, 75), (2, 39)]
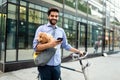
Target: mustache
[(53, 19)]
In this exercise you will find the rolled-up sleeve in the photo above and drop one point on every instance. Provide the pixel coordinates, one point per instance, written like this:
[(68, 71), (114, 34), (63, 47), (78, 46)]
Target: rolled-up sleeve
[(35, 42), (65, 44)]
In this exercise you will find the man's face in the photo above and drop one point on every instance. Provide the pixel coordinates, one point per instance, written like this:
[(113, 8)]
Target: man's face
[(53, 17)]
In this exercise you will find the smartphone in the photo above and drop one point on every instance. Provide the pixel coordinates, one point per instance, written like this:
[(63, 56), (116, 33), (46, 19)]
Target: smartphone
[(60, 39)]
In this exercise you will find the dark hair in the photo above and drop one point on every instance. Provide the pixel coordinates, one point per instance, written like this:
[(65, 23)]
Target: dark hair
[(52, 10)]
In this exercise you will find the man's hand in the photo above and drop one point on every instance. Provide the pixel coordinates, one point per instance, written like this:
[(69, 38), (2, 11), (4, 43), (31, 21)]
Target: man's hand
[(54, 43), (81, 53), (77, 51)]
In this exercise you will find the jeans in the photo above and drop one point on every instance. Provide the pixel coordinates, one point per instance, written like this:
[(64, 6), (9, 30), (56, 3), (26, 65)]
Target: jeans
[(49, 72)]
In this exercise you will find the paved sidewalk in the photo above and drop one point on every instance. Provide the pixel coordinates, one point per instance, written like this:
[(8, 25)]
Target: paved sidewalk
[(101, 68)]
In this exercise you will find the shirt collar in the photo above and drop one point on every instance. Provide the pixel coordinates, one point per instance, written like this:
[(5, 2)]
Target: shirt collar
[(49, 25)]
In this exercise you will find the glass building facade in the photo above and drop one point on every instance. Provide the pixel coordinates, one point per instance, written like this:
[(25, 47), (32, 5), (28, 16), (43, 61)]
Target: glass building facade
[(19, 20)]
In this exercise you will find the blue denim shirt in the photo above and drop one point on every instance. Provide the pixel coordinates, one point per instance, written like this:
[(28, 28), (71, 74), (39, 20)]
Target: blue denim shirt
[(59, 32)]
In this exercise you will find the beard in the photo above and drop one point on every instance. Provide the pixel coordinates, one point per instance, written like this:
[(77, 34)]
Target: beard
[(53, 21)]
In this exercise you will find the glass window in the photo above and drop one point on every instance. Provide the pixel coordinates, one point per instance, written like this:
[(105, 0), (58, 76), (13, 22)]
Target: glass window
[(44, 15), (82, 35), (44, 18), (60, 19), (70, 22), (43, 21), (11, 39), (10, 55), (60, 22), (37, 16), (22, 3), (0, 2), (11, 24), (38, 7), (2, 25), (82, 28), (44, 9), (22, 13), (22, 35), (11, 31), (34, 16), (32, 28), (71, 36), (31, 13), (74, 25), (31, 5), (2, 35), (11, 11), (66, 20), (25, 54), (90, 28)]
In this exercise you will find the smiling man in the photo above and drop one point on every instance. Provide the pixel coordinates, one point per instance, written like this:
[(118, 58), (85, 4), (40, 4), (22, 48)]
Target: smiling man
[(51, 71)]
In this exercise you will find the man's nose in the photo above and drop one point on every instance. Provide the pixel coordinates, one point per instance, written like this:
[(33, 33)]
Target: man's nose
[(54, 17)]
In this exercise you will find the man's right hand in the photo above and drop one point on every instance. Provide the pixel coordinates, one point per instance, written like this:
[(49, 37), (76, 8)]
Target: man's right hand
[(54, 43)]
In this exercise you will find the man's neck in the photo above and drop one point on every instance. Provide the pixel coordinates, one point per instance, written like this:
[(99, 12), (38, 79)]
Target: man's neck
[(53, 26)]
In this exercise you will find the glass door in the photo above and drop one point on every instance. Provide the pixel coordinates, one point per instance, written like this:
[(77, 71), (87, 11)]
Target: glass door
[(81, 41)]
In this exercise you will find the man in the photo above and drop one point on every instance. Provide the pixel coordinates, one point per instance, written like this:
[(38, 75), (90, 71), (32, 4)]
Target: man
[(96, 46), (51, 71)]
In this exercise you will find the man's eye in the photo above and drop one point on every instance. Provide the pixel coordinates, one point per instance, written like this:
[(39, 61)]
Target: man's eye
[(54, 16)]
